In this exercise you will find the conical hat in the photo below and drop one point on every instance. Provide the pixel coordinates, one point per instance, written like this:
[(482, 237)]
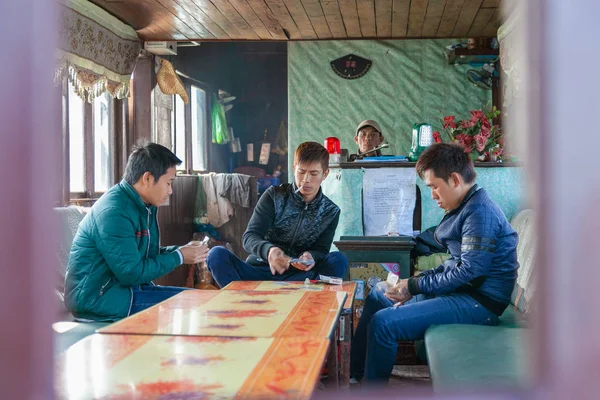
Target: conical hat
[(169, 82)]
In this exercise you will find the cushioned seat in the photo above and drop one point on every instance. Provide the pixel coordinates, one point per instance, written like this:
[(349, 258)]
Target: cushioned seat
[(471, 358)]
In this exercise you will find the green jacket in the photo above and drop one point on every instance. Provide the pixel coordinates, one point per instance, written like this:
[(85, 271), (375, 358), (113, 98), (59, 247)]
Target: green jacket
[(116, 247)]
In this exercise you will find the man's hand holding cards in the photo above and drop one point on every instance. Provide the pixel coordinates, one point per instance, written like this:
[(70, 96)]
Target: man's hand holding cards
[(304, 263)]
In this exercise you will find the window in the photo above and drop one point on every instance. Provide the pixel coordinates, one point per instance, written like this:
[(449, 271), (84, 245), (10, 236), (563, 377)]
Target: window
[(190, 127), (91, 141)]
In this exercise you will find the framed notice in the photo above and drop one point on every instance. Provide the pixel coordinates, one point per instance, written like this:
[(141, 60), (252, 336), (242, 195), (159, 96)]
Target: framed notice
[(250, 152), (265, 150)]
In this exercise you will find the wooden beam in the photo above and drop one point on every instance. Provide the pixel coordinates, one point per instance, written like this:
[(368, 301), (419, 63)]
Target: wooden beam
[(284, 18), (198, 14), (416, 17), (435, 10), (366, 17), (302, 21), (449, 18), (236, 19), (466, 17), (317, 18), (213, 13), (400, 11), (480, 22), (350, 17), (331, 9), (383, 18), (268, 19)]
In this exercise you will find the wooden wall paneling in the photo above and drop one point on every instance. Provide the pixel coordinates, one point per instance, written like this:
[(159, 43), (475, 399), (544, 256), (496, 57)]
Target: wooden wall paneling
[(139, 100), (199, 30), (466, 17), (491, 29), (268, 19), (480, 22), (449, 18), (416, 17), (138, 17), (383, 18), (213, 13), (302, 21), (350, 18), (317, 18), (435, 10), (366, 17), (331, 10), (284, 17), (229, 11), (400, 10), (167, 21), (203, 18)]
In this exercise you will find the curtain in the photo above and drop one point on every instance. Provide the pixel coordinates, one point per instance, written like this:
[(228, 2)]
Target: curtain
[(96, 51)]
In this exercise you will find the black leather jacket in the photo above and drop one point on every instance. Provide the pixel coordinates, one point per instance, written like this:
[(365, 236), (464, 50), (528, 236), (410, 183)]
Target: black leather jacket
[(282, 219)]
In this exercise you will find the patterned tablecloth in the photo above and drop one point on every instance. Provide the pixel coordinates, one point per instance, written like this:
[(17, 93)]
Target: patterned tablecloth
[(229, 313), (184, 367)]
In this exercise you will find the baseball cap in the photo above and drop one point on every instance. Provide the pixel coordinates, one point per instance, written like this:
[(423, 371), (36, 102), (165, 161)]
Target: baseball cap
[(368, 122)]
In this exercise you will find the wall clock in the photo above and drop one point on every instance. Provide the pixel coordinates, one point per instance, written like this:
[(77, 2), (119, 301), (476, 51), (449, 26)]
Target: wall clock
[(351, 66)]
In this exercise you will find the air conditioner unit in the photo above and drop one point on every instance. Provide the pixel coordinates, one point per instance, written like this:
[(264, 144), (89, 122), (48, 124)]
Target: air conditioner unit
[(161, 48)]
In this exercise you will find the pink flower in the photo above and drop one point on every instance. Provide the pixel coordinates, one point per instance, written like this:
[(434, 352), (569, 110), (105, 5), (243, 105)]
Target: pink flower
[(465, 140), (449, 122), (477, 115), (485, 131), (480, 142), (466, 124), (436, 137)]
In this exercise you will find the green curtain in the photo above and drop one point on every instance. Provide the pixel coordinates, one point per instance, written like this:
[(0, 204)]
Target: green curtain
[(219, 122)]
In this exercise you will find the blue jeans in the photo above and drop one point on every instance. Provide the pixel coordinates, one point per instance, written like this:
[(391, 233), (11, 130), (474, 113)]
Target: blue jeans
[(145, 296), (226, 267), (381, 326)]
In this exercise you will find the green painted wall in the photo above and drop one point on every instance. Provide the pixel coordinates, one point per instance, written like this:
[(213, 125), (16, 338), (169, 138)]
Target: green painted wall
[(409, 81)]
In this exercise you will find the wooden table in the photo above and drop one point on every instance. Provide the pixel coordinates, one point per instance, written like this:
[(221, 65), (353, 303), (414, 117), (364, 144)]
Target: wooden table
[(229, 313), (155, 367), (344, 338)]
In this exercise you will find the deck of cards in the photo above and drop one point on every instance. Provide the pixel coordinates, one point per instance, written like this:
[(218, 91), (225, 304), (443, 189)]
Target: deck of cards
[(330, 280), (392, 279)]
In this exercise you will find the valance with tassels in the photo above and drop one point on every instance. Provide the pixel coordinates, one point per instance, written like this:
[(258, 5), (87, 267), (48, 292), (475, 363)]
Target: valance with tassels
[(96, 51)]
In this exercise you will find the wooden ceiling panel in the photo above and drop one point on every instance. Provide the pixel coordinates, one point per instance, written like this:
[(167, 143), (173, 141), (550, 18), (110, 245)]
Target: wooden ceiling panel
[(383, 18), (466, 17), (317, 18), (306, 19), (297, 12), (331, 9), (282, 14), (350, 17), (481, 20), (400, 10), (435, 10), (196, 12), (449, 18), (416, 17), (268, 19), (366, 17)]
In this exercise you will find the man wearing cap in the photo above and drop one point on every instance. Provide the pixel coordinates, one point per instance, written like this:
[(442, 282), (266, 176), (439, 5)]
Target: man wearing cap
[(368, 136)]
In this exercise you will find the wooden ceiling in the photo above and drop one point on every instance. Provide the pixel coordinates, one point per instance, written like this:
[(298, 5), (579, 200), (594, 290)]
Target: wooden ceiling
[(183, 20)]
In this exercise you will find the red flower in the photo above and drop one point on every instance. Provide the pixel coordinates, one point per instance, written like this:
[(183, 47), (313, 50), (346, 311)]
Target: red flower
[(436, 137), (485, 131), (480, 142), (465, 140), (477, 115), (466, 124), (449, 122)]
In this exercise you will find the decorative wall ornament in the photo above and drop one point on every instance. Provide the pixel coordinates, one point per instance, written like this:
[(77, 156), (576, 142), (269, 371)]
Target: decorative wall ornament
[(96, 51), (351, 66)]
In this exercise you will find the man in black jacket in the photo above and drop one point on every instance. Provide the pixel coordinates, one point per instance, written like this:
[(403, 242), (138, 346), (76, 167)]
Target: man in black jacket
[(291, 221)]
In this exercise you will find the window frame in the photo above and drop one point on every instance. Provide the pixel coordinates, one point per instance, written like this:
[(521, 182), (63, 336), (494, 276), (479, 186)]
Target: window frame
[(116, 131)]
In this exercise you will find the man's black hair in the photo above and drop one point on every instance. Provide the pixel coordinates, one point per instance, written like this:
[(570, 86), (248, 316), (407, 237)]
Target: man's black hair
[(149, 157)]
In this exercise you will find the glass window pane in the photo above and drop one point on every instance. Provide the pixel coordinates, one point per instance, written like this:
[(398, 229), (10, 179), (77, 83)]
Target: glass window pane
[(76, 144), (102, 125), (180, 130), (198, 129)]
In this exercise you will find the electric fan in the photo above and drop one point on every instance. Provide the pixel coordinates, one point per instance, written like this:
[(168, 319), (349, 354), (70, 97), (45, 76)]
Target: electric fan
[(482, 77)]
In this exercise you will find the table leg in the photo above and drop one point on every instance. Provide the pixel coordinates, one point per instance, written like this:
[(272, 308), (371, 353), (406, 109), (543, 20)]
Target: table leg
[(332, 361), (345, 330)]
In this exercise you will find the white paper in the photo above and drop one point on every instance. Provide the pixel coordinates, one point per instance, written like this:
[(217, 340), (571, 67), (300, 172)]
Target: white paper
[(389, 196), (250, 152)]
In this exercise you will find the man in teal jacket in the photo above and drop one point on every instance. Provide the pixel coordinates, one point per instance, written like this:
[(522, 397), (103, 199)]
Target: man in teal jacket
[(116, 252)]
